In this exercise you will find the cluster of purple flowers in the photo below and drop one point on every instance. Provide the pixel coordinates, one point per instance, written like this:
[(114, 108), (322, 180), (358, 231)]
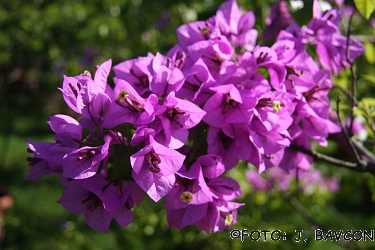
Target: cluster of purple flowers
[(146, 134)]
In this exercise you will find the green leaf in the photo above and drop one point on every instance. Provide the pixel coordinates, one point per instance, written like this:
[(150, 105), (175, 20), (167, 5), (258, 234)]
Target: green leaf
[(366, 107), (360, 112), (365, 7), (343, 106), (367, 103), (370, 132), (369, 78), (121, 162), (370, 52)]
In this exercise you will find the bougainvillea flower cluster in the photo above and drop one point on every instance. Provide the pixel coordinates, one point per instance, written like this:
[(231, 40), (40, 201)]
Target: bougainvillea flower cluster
[(170, 126)]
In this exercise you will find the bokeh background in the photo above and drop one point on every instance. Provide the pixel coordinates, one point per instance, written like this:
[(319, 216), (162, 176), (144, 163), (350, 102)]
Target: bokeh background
[(40, 40)]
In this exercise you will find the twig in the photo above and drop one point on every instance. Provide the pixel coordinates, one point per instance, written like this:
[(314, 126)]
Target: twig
[(300, 208), (367, 163), (353, 75), (350, 165), (357, 158), (348, 94), (335, 213)]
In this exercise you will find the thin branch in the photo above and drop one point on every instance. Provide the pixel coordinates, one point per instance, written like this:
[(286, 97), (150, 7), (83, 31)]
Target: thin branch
[(348, 38), (335, 213), (357, 158), (347, 93), (300, 208), (367, 158), (319, 156), (353, 75)]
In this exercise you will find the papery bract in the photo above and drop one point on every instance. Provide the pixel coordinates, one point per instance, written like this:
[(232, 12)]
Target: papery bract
[(130, 107), (190, 189), (94, 198), (154, 167), (84, 162)]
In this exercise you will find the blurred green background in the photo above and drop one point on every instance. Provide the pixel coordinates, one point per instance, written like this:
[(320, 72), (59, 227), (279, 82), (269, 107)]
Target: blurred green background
[(41, 40)]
